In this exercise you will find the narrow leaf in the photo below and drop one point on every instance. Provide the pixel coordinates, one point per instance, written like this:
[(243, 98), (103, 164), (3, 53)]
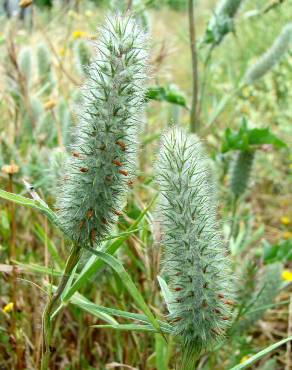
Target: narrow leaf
[(30, 203), (166, 293), (261, 354), (95, 263), (129, 327), (129, 284)]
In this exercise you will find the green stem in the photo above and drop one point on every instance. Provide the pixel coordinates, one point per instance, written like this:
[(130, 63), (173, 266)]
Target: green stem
[(194, 119), (204, 81), (47, 322)]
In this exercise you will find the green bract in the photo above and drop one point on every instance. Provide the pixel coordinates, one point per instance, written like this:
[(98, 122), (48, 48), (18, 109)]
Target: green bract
[(222, 21)]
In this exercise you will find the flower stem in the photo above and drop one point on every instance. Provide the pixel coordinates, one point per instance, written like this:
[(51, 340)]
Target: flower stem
[(47, 322), (194, 119)]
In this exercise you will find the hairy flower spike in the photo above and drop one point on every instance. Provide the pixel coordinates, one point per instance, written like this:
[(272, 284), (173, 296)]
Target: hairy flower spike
[(240, 172), (113, 101), (83, 56), (44, 64), (25, 64), (222, 21), (272, 56), (195, 261)]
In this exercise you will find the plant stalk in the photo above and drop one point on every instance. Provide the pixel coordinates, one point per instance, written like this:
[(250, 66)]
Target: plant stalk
[(194, 119), (47, 330), (12, 257)]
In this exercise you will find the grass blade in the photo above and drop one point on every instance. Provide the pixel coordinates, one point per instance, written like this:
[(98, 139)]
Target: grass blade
[(30, 203), (129, 284), (40, 233), (79, 300), (130, 327), (261, 354), (95, 263), (34, 268), (166, 293), (94, 310)]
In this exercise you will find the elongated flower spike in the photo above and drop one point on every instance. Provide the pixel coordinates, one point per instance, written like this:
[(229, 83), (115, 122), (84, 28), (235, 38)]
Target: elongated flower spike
[(83, 56), (25, 64), (240, 173), (103, 155), (271, 57), (195, 262), (44, 64)]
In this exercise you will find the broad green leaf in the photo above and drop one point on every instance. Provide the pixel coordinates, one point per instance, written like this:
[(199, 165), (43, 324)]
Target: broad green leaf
[(170, 94), (259, 136), (30, 203), (95, 264), (245, 139), (281, 251), (261, 354)]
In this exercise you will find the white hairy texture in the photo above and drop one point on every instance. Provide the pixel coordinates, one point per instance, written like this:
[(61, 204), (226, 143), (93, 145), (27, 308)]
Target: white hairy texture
[(103, 157), (195, 261), (271, 57)]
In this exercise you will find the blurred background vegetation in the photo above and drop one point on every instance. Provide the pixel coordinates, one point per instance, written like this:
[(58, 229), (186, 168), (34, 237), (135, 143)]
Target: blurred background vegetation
[(45, 48)]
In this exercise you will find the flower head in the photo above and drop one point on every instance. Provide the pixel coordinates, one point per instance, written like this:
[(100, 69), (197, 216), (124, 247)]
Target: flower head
[(195, 261), (287, 275), (8, 308), (285, 220), (78, 34), (103, 155)]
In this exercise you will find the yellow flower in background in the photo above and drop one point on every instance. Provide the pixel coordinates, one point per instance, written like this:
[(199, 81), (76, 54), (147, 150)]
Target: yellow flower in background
[(71, 13), (244, 109), (8, 308), (285, 220), (10, 169), (287, 235), (24, 3), (62, 52), (49, 104), (78, 34), (245, 91), (290, 166), (89, 13), (287, 275), (284, 202), (244, 358)]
